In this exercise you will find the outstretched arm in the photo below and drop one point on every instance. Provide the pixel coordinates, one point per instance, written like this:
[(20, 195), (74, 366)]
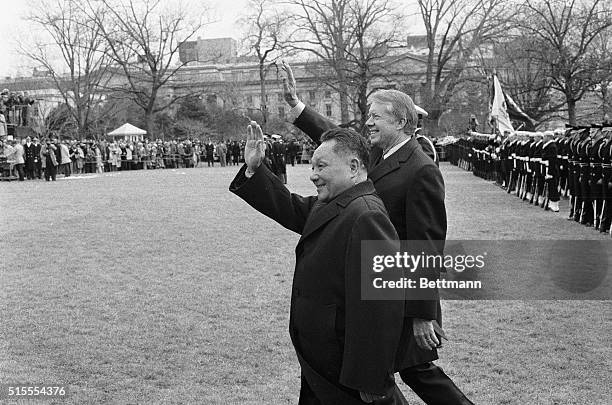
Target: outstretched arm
[(305, 118), (259, 187)]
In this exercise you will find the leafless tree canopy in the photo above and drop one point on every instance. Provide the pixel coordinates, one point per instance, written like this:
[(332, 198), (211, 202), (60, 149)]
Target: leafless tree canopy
[(456, 30), (143, 38), (267, 34), (349, 38), (548, 53), (76, 58), (563, 35)]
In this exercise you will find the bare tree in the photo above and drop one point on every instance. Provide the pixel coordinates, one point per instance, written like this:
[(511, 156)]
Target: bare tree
[(351, 39), (525, 78), (603, 76), (266, 36), (455, 31), (563, 35), (369, 57), (75, 58), (143, 38)]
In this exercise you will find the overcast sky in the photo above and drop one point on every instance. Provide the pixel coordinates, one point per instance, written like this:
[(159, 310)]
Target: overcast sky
[(13, 27)]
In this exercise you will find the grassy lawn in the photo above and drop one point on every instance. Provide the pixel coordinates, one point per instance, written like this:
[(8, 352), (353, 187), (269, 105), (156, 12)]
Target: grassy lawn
[(152, 287)]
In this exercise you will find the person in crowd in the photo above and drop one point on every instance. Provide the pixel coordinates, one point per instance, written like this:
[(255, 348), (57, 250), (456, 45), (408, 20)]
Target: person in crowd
[(173, 152), (17, 156), (3, 127), (25, 109), (181, 155), (72, 150), (113, 156), (210, 153), (188, 159), (195, 154), (38, 170), (79, 157), (103, 145), (278, 158), (65, 162), (99, 162), (48, 154), (412, 189), (90, 158), (292, 151), (129, 155), (228, 153), (349, 361), (235, 152), (222, 153), (30, 158), (123, 157), (305, 153)]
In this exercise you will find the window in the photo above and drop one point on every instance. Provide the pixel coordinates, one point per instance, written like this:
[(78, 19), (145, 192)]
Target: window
[(328, 110), (327, 94), (279, 97), (311, 95), (281, 112), (250, 99)]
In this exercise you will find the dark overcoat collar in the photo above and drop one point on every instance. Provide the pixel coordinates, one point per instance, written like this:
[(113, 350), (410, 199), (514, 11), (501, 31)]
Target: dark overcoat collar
[(322, 213), (392, 163)]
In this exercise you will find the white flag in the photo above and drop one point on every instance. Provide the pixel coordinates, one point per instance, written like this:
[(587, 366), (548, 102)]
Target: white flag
[(499, 109)]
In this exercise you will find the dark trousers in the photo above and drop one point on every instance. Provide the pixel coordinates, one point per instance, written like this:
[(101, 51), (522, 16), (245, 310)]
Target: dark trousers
[(433, 386), (553, 189), (607, 198), (50, 172), (308, 397), (38, 169), (585, 199), (29, 170), (20, 172)]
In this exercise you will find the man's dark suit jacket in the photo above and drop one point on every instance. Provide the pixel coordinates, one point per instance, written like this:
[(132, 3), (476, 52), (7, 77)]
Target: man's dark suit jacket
[(412, 189), (344, 344)]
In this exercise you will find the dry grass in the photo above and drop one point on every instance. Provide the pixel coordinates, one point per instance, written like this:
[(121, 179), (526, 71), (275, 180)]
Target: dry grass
[(161, 287)]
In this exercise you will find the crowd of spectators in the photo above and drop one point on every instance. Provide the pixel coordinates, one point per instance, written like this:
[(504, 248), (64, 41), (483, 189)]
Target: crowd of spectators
[(14, 110), (32, 159)]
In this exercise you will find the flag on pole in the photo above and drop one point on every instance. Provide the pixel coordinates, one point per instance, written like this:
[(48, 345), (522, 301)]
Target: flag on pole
[(499, 109), (516, 113)]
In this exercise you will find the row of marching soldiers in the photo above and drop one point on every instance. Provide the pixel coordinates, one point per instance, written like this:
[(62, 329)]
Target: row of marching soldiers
[(540, 167)]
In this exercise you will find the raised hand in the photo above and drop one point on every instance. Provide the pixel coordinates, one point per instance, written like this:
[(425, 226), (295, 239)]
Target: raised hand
[(289, 91), (255, 148)]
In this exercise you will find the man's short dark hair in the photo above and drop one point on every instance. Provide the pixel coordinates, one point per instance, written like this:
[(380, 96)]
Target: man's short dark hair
[(348, 142)]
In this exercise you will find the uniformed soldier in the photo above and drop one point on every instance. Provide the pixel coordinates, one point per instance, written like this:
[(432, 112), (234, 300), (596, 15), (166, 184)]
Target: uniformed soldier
[(538, 170), (550, 164), (605, 153)]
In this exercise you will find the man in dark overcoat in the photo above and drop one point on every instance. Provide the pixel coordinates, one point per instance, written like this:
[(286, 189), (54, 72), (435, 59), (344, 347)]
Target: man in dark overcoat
[(346, 346), (30, 158), (412, 189)]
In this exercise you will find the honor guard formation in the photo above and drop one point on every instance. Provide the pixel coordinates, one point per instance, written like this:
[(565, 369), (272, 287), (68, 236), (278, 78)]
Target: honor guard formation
[(541, 167)]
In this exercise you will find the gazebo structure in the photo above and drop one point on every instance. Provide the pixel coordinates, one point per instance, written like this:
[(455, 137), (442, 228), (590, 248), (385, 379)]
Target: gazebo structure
[(128, 132)]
